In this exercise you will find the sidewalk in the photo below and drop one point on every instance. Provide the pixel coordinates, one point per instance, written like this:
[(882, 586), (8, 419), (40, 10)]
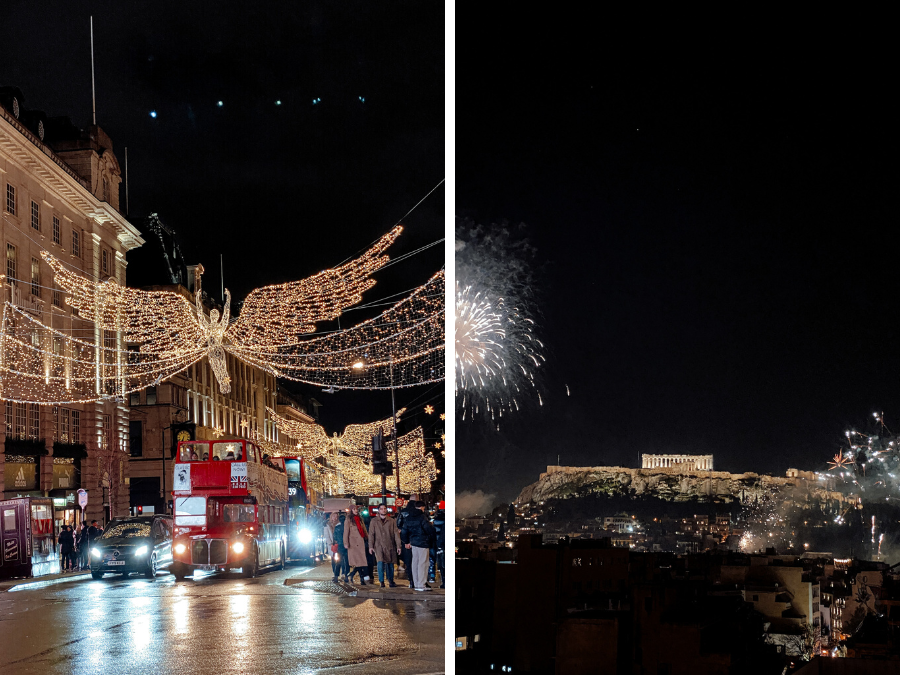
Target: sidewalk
[(322, 573), (45, 580)]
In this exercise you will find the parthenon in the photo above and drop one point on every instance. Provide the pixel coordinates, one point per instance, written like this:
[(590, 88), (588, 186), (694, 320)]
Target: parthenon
[(686, 462)]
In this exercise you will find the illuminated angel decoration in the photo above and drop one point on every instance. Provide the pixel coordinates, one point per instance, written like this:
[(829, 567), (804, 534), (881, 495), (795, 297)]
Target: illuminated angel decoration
[(350, 451), (144, 337)]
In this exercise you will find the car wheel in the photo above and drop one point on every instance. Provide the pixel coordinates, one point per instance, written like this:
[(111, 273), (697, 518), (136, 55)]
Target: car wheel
[(97, 575), (150, 572)]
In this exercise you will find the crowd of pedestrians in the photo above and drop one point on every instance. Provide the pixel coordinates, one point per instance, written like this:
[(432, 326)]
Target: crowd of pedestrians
[(75, 545), (360, 545)]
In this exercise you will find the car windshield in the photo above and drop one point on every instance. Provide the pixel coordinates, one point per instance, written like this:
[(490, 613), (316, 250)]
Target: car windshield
[(126, 530)]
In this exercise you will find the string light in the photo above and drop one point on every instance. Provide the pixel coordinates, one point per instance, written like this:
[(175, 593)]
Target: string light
[(165, 335), (350, 453)]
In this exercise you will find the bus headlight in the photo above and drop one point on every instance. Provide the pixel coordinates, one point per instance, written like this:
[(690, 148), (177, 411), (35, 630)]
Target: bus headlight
[(305, 536), (141, 551), (238, 547), (180, 548)]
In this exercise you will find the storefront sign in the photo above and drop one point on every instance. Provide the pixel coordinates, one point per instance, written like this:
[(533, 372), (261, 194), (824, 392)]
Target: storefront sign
[(64, 473), (20, 473)]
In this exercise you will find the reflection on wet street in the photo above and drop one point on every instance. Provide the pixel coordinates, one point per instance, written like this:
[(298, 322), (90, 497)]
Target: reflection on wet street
[(215, 624)]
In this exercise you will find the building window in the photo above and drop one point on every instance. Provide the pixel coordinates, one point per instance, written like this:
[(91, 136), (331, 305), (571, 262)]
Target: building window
[(104, 261), (136, 438), (57, 297), (151, 395), (34, 422), (11, 199), (11, 272), (76, 426), (56, 239), (62, 425), (36, 277), (135, 398), (36, 215), (76, 244)]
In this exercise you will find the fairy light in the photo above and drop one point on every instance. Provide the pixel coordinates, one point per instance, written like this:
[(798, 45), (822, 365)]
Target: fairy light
[(401, 347), (350, 453)]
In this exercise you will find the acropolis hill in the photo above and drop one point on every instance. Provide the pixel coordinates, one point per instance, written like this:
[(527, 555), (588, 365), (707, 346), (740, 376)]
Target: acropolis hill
[(677, 484)]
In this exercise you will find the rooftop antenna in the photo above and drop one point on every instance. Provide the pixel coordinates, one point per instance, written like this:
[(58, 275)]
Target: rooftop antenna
[(126, 180), (93, 90)]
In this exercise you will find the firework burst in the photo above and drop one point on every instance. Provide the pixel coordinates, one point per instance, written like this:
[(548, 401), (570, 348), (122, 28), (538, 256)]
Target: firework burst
[(497, 352)]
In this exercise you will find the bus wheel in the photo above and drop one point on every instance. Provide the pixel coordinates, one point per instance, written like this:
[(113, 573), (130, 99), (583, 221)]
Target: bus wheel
[(97, 575), (251, 569), (150, 572)]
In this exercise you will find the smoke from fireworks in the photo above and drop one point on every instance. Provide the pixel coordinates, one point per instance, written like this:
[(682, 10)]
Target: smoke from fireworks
[(497, 352)]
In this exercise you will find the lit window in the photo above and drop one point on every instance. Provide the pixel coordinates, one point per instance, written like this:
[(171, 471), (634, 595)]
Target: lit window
[(11, 272), (36, 277)]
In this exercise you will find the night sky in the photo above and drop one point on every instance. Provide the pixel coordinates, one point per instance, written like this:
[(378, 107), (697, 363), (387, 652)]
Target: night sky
[(281, 190), (716, 235)]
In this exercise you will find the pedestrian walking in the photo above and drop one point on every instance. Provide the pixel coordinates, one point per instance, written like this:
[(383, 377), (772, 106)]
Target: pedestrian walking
[(439, 525), (416, 536), (331, 545), (342, 551), (384, 544), (67, 549), (355, 539)]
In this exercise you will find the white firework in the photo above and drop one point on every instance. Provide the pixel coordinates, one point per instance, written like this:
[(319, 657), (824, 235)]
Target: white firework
[(497, 352)]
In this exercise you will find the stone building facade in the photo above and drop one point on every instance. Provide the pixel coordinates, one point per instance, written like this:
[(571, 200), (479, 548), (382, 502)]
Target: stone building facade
[(59, 189), (685, 462)]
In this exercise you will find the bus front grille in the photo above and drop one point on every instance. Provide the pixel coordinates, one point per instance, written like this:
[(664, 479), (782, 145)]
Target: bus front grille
[(218, 551), (199, 552)]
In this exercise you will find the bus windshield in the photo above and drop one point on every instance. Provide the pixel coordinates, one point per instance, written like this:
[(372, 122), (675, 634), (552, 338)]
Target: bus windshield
[(190, 511)]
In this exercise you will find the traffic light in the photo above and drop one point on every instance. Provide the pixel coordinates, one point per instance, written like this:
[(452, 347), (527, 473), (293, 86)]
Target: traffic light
[(140, 510), (365, 512), (380, 464)]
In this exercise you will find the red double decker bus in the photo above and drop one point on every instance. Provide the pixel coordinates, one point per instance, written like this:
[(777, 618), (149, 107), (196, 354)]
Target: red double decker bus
[(231, 508)]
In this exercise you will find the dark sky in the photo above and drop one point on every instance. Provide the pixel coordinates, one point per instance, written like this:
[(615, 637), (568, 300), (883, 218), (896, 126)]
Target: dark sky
[(716, 227), (282, 191)]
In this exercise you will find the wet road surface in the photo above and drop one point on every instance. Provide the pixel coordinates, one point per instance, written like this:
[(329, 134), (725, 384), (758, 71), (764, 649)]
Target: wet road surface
[(216, 625)]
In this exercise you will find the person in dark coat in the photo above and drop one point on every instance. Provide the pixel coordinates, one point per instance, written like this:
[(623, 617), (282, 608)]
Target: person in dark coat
[(82, 546), (439, 525), (416, 536), (342, 550), (405, 553), (67, 549)]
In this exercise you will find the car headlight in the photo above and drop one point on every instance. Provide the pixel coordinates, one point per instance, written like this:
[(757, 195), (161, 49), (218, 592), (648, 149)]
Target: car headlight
[(180, 548), (95, 552), (238, 547), (142, 550), (305, 536)]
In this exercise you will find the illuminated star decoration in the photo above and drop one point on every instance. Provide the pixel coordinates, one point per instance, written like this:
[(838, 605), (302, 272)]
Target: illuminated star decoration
[(217, 432), (429, 409), (144, 337), (840, 462), (443, 416)]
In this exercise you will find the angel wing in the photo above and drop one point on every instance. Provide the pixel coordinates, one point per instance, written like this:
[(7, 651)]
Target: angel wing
[(280, 314), (158, 321), (43, 364)]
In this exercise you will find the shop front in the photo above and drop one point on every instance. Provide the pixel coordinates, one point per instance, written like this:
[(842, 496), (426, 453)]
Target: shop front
[(66, 480)]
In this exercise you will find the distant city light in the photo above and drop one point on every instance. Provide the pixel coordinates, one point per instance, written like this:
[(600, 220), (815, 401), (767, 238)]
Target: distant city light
[(153, 114), (220, 104), (278, 102)]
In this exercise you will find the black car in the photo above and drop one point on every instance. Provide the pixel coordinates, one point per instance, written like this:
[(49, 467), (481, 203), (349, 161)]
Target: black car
[(133, 544)]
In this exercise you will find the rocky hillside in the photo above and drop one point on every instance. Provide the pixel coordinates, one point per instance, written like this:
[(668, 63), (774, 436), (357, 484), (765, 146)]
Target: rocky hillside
[(563, 482)]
